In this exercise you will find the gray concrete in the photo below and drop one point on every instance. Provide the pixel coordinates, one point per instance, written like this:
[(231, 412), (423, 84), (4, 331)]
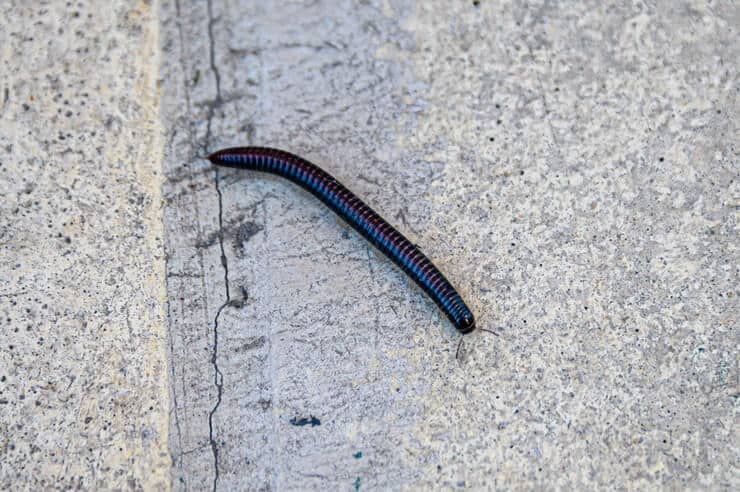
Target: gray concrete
[(83, 378), (573, 169)]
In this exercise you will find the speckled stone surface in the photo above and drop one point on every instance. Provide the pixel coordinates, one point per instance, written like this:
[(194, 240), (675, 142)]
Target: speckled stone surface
[(83, 378), (572, 168)]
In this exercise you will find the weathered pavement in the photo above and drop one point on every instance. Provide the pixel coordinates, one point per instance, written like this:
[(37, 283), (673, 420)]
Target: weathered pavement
[(83, 370), (572, 169)]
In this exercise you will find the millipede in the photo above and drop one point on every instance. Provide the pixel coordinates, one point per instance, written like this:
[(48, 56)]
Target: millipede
[(361, 217)]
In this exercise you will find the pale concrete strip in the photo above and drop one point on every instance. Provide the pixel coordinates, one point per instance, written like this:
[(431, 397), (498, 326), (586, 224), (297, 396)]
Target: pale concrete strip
[(83, 373)]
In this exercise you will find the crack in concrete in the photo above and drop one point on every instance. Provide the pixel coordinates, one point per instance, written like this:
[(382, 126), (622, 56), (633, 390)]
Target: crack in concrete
[(186, 124), (218, 376), (212, 105), (218, 381), (171, 343)]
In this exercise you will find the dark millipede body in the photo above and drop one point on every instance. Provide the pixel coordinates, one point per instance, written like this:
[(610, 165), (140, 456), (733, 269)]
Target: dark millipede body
[(360, 216)]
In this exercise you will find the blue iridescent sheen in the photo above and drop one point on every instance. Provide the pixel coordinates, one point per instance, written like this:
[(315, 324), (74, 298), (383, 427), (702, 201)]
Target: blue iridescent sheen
[(361, 217)]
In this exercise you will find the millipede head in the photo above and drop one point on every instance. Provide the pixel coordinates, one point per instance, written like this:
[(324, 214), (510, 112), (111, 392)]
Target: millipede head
[(466, 324)]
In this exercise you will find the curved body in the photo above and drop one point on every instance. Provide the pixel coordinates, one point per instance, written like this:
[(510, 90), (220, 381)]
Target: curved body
[(360, 216)]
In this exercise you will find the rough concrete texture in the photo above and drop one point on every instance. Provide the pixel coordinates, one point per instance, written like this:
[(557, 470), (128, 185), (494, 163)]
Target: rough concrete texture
[(572, 168), (83, 373)]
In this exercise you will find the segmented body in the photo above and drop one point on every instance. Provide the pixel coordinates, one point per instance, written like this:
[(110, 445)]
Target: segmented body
[(361, 217)]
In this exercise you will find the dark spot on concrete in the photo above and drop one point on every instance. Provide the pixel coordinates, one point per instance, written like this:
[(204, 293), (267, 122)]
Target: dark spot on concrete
[(311, 420), (207, 242), (264, 404), (358, 455), (252, 343), (246, 232)]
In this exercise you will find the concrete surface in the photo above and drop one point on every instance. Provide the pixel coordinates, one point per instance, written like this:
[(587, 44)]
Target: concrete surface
[(83, 378), (573, 169)]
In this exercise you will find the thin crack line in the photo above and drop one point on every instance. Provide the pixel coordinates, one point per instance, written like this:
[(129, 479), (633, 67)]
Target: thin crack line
[(170, 331), (218, 376), (170, 337), (183, 65), (217, 76), (218, 381), (224, 261)]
